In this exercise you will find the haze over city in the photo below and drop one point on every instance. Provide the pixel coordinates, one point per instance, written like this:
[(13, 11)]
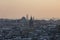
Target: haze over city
[(38, 8), (29, 19)]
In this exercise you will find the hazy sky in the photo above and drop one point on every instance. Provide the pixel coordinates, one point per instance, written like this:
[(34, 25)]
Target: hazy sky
[(37, 8)]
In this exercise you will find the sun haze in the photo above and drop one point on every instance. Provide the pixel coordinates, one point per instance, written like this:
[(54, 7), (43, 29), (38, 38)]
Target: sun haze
[(37, 8)]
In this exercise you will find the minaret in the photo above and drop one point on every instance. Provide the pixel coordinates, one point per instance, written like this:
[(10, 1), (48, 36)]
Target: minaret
[(27, 16), (31, 22), (27, 19)]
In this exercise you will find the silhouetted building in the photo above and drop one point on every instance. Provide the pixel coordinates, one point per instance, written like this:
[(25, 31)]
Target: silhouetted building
[(31, 22)]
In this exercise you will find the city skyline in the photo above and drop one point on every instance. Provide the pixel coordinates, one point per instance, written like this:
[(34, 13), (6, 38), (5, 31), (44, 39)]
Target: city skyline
[(40, 9)]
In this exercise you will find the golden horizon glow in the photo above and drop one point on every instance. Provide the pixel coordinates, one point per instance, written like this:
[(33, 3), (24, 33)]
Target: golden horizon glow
[(38, 8)]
